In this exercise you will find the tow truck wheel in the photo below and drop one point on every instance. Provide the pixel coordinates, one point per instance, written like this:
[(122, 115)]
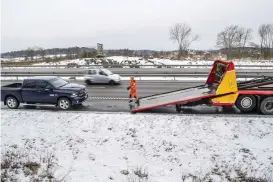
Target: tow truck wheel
[(12, 102), (64, 103), (246, 103), (267, 106)]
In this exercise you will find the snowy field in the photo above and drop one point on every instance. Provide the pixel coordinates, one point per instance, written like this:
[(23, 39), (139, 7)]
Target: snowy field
[(121, 60), (120, 147)]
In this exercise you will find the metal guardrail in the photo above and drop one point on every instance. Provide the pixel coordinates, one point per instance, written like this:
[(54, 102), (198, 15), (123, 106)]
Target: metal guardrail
[(129, 66), (239, 75)]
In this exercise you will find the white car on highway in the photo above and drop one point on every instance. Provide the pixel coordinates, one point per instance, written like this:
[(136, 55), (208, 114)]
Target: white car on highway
[(101, 76)]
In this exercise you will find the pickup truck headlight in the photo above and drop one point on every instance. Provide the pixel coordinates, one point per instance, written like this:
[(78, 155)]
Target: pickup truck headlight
[(74, 95)]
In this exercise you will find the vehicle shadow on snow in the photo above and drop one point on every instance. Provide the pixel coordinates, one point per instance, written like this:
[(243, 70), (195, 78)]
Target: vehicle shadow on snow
[(198, 110), (83, 107), (46, 108)]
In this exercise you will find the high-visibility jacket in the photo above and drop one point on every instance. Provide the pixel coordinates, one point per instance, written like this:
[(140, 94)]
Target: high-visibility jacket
[(132, 88)]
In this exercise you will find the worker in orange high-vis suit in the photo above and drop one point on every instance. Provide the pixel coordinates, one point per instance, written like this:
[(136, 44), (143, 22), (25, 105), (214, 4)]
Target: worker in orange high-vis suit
[(132, 88)]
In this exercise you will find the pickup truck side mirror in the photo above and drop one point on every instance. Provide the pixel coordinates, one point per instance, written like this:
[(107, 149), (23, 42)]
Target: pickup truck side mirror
[(48, 89)]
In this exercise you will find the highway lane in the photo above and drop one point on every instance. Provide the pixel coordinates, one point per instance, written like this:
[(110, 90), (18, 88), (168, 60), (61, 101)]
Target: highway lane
[(144, 88), (113, 104), (107, 98)]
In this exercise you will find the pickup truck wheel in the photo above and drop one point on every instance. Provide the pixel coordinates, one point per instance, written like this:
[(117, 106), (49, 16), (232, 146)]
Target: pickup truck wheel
[(267, 106), (12, 102), (246, 103), (64, 103)]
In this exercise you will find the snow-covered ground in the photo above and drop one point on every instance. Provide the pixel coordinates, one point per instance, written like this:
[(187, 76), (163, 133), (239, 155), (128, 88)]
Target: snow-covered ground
[(121, 60), (155, 61), (103, 146)]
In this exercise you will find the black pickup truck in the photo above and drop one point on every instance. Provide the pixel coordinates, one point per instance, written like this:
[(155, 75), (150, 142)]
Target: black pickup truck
[(43, 90)]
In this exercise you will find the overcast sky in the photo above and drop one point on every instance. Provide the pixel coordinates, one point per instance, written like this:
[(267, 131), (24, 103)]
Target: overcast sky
[(134, 24)]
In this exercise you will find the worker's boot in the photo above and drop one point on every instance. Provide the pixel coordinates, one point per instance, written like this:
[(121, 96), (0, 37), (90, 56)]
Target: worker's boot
[(137, 102)]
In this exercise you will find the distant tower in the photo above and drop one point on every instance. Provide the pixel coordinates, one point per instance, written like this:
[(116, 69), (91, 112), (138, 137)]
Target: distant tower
[(100, 50)]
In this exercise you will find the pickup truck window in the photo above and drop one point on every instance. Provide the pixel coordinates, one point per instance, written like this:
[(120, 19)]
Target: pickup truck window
[(57, 82), (42, 85), (29, 84)]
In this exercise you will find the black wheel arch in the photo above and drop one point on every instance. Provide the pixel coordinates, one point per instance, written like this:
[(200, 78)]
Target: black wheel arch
[(10, 95), (63, 97)]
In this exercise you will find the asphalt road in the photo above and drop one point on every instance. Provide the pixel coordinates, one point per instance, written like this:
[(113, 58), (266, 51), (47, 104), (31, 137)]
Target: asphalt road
[(114, 98), (116, 92), (104, 98)]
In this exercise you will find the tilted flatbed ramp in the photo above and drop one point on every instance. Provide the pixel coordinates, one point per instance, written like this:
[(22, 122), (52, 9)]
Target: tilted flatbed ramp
[(222, 78), (170, 98)]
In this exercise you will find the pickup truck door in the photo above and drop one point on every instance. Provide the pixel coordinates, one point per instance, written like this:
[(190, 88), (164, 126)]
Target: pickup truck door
[(45, 93), (38, 91), (29, 91)]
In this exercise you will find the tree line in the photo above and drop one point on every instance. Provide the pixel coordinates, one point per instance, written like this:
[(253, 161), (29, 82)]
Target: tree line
[(70, 53), (234, 40)]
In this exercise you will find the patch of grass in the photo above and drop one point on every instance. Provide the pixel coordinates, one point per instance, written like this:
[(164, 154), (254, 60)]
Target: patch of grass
[(138, 174), (5, 164), (32, 166), (228, 174), (18, 165)]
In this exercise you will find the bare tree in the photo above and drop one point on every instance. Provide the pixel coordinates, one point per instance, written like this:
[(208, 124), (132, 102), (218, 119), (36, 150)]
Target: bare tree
[(244, 36), (36, 51), (233, 37), (266, 42), (30, 53), (42, 53), (181, 33), (228, 39)]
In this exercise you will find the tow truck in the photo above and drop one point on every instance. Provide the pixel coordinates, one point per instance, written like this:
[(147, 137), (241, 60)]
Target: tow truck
[(220, 89)]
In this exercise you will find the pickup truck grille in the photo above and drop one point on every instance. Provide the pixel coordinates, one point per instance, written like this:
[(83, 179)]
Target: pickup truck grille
[(82, 93)]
